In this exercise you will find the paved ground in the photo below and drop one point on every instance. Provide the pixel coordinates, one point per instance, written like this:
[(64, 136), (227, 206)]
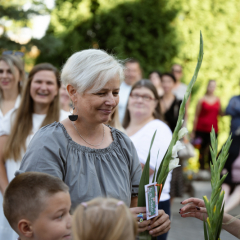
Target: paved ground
[(191, 228)]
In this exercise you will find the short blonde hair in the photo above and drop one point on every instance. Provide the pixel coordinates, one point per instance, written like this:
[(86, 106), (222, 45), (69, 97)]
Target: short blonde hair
[(91, 69), (104, 219)]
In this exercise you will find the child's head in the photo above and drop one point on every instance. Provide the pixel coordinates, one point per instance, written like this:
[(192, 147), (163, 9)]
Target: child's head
[(37, 206), (107, 219)]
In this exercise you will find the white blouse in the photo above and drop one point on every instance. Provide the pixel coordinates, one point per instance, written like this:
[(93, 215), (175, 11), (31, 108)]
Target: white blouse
[(7, 120), (37, 119), (6, 232), (142, 140)]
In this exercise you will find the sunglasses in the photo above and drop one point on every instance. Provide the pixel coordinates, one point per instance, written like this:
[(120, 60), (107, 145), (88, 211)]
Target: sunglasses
[(20, 54)]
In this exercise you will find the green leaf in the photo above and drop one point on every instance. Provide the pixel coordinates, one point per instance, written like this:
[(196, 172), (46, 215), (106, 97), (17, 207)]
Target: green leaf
[(145, 236), (205, 230), (154, 175), (163, 169), (219, 224), (145, 177), (214, 206)]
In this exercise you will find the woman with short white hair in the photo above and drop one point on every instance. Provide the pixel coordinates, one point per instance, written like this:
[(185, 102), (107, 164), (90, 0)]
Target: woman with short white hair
[(93, 159)]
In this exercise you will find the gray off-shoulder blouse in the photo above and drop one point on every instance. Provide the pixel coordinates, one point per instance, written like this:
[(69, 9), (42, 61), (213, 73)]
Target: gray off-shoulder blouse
[(114, 171)]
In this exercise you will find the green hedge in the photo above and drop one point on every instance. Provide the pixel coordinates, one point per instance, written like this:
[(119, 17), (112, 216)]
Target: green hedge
[(158, 33), (140, 29)]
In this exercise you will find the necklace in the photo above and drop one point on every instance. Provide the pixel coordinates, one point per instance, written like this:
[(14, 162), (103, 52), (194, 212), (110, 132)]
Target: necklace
[(85, 140)]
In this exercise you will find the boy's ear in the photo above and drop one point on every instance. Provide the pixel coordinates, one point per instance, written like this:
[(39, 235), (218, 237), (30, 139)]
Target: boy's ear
[(25, 228)]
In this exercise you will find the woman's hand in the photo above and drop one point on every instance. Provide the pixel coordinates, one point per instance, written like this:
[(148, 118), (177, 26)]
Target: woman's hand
[(156, 226), (160, 224), (142, 226), (195, 208)]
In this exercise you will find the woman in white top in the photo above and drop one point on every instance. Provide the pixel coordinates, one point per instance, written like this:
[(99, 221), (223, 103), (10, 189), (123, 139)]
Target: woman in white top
[(142, 118), (39, 106), (12, 76)]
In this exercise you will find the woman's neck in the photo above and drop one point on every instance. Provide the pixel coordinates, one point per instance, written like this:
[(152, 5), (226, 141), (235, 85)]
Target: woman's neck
[(41, 108), (137, 123), (89, 129), (168, 95), (210, 94), (177, 84), (10, 95)]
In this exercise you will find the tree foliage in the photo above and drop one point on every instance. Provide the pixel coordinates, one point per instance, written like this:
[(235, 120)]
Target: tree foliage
[(13, 17), (219, 22), (139, 29), (158, 33)]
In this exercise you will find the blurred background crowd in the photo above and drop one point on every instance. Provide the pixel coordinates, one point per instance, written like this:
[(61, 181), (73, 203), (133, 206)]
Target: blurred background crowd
[(159, 40)]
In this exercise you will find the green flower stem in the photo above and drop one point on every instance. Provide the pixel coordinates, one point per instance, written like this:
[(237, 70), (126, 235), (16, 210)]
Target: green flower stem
[(162, 172), (215, 206), (163, 169)]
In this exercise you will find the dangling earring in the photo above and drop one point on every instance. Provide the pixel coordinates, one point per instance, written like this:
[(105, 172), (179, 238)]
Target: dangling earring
[(73, 117)]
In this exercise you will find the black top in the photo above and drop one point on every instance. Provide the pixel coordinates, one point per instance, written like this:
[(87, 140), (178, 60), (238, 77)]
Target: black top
[(171, 115), (232, 155)]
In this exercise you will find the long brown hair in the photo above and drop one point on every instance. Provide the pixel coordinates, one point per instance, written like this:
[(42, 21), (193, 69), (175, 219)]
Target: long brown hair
[(108, 219), (157, 114), (16, 61), (22, 126)]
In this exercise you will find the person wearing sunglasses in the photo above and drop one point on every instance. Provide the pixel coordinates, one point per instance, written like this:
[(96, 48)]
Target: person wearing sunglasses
[(12, 76)]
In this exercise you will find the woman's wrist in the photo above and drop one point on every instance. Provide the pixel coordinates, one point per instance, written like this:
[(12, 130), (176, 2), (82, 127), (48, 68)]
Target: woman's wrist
[(226, 219)]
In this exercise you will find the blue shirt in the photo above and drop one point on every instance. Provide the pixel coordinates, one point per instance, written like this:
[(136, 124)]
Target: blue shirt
[(233, 109)]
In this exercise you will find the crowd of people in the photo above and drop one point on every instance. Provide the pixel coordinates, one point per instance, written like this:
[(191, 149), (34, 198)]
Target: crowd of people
[(76, 143)]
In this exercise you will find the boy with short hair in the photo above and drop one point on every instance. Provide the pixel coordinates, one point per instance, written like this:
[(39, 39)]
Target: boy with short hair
[(37, 206)]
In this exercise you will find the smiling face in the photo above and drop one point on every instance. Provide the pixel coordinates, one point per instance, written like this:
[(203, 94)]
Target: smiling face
[(44, 87), (141, 103), (54, 222), (96, 107), (167, 83), (7, 79)]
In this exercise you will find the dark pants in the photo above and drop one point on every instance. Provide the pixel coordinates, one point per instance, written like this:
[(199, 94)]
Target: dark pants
[(204, 151), (164, 205)]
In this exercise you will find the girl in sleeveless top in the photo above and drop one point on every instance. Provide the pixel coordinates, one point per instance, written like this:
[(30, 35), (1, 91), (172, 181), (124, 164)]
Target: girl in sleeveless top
[(206, 116)]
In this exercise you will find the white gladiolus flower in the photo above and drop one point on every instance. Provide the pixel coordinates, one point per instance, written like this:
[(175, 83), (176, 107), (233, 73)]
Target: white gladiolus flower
[(173, 164), (177, 147), (183, 131)]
